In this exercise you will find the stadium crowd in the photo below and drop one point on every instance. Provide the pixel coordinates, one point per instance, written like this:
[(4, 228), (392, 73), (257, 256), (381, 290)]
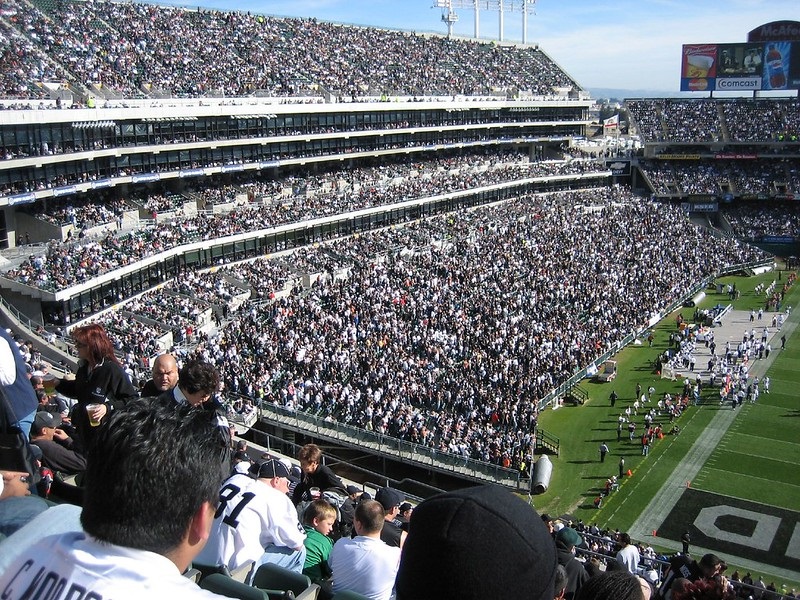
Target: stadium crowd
[(353, 350), (197, 52), (753, 222), (719, 177), (70, 263), (712, 120)]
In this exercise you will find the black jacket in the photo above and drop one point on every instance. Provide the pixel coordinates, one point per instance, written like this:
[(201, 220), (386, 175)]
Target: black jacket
[(576, 573), (107, 384), (323, 478)]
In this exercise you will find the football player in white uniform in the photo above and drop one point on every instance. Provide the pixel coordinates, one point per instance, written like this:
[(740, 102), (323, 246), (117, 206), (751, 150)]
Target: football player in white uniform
[(256, 523)]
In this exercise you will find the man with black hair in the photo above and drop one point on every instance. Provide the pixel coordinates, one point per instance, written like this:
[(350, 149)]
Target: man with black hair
[(681, 566), (628, 554), (198, 381), (151, 489)]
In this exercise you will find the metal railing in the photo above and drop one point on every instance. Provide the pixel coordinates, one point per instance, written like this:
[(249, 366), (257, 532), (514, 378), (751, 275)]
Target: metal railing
[(421, 455)]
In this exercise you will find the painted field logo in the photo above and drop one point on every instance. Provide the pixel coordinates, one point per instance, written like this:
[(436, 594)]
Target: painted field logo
[(734, 527)]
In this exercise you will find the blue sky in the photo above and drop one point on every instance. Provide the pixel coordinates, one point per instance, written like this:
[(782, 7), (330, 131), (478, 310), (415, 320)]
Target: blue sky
[(625, 44)]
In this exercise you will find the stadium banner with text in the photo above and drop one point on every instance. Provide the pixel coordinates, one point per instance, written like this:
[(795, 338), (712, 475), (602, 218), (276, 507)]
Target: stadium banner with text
[(740, 67), (668, 156), (619, 168)]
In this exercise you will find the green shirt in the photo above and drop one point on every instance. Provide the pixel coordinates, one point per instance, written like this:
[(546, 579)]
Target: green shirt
[(318, 549)]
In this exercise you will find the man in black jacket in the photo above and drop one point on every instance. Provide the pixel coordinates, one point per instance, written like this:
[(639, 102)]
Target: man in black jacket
[(567, 539), (59, 451), (315, 475)]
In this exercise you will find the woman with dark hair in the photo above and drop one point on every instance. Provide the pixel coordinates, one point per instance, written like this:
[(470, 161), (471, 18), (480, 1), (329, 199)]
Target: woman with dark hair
[(614, 585), (101, 385)]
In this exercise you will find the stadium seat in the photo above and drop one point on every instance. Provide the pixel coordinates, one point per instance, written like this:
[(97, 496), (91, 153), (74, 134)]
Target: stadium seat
[(193, 574), (225, 586), (271, 577), (207, 570)]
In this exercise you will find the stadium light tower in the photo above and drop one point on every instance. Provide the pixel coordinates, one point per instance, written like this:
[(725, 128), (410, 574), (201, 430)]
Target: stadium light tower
[(449, 16)]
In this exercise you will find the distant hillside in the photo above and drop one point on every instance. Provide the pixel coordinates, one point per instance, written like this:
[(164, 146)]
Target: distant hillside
[(618, 94)]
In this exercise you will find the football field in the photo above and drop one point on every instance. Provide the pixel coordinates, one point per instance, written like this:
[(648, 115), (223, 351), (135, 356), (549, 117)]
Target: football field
[(729, 477)]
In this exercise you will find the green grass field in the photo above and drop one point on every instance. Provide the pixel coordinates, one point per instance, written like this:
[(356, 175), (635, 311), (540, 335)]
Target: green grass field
[(754, 466)]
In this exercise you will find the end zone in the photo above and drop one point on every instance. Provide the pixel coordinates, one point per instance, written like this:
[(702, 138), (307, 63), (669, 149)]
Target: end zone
[(736, 528)]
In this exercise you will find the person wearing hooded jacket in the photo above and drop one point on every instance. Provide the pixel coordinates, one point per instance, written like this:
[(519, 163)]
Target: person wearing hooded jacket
[(567, 539)]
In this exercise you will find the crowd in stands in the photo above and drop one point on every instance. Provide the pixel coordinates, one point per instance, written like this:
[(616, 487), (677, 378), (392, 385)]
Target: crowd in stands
[(21, 64), (264, 276), (711, 120), (718, 177), (179, 313), (752, 222), (198, 52), (71, 263), (81, 212), (409, 346), (90, 174), (132, 337)]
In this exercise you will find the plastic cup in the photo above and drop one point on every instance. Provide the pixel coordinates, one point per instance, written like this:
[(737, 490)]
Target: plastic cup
[(315, 493), (90, 408), (49, 383)]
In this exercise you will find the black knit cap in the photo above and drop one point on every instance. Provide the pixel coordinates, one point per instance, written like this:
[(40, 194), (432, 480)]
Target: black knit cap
[(479, 543)]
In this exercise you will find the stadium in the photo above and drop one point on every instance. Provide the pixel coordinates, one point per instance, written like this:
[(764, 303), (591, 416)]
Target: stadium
[(413, 267)]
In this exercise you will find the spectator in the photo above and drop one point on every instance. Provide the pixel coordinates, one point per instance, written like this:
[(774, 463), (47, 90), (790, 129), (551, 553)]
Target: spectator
[(151, 485), (628, 554), (318, 520), (100, 385), (165, 376), (364, 564), (683, 567), (392, 532), (59, 451), (18, 395), (567, 540), (615, 585), (406, 510), (315, 474), (17, 506), (198, 381), (474, 544), (256, 523)]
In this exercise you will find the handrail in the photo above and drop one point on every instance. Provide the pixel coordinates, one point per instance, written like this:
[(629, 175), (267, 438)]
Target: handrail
[(416, 453)]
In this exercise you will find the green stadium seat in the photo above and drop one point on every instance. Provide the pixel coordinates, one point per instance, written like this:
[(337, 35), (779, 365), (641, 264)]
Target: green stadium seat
[(225, 586), (272, 578)]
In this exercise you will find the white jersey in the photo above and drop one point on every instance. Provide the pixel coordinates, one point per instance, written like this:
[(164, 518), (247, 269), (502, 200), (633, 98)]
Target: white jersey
[(251, 516), (364, 565), (75, 565)]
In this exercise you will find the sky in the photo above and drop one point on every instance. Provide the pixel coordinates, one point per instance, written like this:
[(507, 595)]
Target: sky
[(622, 44)]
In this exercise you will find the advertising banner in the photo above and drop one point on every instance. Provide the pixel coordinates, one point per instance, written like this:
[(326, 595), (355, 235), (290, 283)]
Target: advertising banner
[(698, 67), (740, 67), (748, 67), (619, 167)]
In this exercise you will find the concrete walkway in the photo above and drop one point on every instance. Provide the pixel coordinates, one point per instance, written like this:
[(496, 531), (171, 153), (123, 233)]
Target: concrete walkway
[(733, 328)]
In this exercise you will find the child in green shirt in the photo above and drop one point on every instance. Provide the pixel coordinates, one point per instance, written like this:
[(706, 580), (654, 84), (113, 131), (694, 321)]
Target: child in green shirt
[(318, 520)]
